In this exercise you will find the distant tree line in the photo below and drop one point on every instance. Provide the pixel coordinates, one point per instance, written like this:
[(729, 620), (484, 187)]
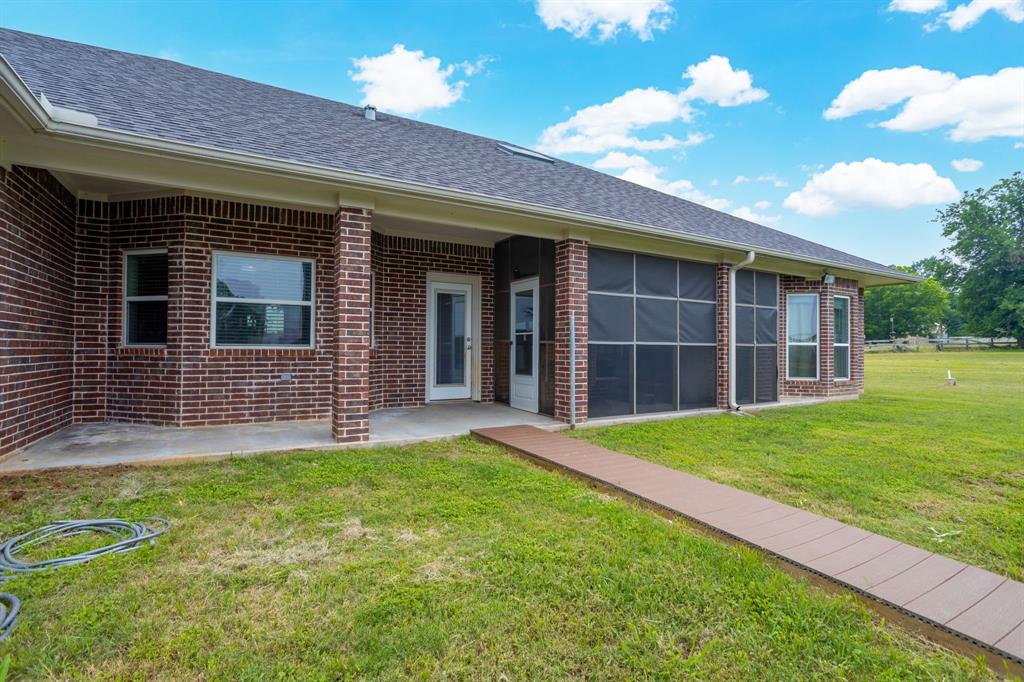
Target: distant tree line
[(976, 286)]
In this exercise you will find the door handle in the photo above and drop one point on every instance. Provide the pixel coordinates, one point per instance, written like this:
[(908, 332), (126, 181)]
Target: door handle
[(469, 343)]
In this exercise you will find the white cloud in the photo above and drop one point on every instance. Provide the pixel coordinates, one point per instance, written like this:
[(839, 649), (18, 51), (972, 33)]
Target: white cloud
[(1018, 145), (964, 16), (607, 17), (762, 205), (976, 108), (716, 82), (408, 82), (916, 6), (774, 179), (615, 124), (876, 90), (747, 214), (640, 170), (871, 183), (966, 165), (740, 179)]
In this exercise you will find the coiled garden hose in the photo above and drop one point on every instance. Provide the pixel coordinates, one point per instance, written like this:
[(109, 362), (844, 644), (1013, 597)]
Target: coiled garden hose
[(129, 535), (9, 607)]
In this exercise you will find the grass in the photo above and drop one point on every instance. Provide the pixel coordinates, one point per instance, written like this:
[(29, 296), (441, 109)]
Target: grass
[(913, 459), (450, 560)]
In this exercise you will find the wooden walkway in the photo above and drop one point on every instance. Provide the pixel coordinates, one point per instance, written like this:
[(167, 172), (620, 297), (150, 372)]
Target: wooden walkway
[(981, 607)]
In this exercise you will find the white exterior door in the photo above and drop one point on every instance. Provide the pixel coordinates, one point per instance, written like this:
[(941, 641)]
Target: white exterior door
[(450, 327), (523, 385)]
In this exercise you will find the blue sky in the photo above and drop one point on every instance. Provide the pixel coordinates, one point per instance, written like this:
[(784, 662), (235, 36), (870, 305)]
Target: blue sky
[(609, 84)]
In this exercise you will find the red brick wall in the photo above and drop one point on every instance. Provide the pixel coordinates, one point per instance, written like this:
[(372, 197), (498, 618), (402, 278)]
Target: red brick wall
[(37, 306), (92, 294), (351, 386), (826, 385), (398, 360), (570, 297), (722, 338)]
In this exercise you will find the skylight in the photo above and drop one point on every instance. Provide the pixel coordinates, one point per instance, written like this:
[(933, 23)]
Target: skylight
[(522, 151)]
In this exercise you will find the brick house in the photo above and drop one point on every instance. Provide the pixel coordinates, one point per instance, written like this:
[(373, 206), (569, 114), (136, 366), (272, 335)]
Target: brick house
[(183, 248)]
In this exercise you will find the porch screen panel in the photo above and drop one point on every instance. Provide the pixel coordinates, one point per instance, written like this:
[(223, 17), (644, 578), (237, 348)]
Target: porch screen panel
[(757, 323), (652, 334)]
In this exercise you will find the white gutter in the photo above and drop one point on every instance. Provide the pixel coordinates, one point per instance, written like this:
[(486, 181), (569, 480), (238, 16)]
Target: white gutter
[(106, 137), (732, 327)]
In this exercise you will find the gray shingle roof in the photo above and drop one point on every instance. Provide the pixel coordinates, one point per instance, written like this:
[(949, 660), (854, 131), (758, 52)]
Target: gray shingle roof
[(165, 99)]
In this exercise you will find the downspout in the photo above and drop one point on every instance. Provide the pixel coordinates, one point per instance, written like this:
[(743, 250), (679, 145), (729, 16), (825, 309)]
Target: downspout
[(732, 327)]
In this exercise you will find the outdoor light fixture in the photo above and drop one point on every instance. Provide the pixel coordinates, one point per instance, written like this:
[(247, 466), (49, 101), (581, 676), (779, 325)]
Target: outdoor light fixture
[(828, 278)]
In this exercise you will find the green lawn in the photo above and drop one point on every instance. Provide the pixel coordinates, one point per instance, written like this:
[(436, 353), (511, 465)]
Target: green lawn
[(452, 560), (910, 456)]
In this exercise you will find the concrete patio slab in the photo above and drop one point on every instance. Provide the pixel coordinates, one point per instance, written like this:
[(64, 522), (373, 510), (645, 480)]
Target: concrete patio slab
[(99, 445)]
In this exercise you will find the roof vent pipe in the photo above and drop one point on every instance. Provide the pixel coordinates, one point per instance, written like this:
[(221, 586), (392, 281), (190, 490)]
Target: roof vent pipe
[(370, 112), (732, 327)]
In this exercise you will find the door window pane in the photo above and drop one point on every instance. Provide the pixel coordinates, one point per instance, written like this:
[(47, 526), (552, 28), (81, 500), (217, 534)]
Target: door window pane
[(655, 378), (450, 339), (524, 330)]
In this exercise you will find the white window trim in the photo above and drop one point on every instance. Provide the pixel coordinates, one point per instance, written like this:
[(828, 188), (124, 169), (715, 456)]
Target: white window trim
[(126, 299), (835, 344), (214, 299), (816, 343)]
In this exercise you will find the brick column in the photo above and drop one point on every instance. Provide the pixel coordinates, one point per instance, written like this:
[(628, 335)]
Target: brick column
[(350, 414), (722, 339), (570, 297), (92, 293)]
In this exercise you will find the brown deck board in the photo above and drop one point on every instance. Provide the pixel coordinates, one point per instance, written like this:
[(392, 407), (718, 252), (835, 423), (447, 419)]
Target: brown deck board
[(952, 596)]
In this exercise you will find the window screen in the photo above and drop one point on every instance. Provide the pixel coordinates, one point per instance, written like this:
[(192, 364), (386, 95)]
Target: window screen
[(757, 320), (262, 301), (653, 334), (145, 298)]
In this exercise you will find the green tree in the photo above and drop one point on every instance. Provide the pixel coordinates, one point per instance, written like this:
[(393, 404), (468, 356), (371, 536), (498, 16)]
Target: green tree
[(914, 309), (985, 261)]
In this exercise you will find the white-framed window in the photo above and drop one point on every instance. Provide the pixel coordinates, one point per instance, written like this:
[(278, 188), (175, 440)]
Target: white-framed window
[(144, 311), (262, 301), (841, 346), (802, 336)]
